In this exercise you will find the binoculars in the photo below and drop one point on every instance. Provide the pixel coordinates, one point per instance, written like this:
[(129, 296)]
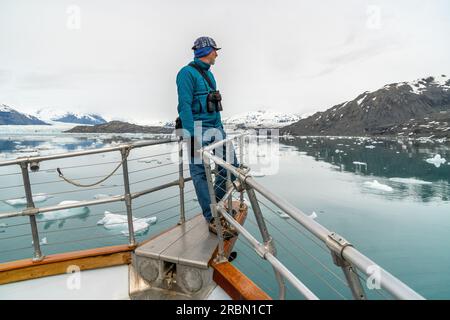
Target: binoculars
[(214, 101)]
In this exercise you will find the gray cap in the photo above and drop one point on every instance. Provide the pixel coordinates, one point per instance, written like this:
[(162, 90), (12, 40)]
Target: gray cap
[(203, 42)]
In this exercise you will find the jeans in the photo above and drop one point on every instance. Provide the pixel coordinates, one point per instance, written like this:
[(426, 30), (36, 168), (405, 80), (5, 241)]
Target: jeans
[(198, 175)]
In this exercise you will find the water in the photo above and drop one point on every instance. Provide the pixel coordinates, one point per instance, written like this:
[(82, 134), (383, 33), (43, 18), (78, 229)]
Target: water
[(403, 226)]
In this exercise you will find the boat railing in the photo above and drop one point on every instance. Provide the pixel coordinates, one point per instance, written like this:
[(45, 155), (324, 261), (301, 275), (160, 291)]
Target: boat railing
[(342, 252), (32, 164)]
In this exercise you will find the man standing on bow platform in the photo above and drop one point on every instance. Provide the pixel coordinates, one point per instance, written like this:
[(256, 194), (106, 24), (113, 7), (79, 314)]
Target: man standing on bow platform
[(199, 106)]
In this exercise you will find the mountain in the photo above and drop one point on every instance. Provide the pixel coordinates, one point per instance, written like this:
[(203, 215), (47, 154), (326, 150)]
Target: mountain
[(261, 119), (119, 127), (9, 116), (51, 115), (417, 108)]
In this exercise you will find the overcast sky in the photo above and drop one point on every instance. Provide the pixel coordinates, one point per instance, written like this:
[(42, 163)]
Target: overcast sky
[(120, 58)]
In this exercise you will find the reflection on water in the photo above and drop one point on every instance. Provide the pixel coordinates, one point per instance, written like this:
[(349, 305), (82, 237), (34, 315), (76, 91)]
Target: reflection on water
[(401, 165)]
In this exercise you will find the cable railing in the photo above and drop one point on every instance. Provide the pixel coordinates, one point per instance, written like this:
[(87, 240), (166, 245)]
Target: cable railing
[(240, 186), (344, 255), (29, 165)]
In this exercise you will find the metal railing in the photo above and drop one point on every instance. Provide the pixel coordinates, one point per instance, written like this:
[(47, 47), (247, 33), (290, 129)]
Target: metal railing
[(343, 253), (33, 163)]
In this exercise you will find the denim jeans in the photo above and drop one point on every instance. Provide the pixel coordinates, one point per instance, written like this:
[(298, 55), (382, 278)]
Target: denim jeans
[(197, 170)]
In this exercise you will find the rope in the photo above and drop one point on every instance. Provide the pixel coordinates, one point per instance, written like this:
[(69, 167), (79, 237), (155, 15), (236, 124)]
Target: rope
[(77, 184)]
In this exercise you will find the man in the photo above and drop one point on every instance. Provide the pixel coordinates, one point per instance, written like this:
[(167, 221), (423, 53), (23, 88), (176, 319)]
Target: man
[(199, 112)]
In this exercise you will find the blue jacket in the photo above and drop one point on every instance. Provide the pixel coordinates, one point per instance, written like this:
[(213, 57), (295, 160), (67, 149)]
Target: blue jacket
[(192, 93)]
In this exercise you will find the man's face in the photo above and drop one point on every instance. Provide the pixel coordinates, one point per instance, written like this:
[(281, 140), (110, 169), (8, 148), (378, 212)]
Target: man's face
[(211, 57)]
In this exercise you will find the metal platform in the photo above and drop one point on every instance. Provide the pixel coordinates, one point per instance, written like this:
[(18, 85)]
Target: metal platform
[(190, 244)]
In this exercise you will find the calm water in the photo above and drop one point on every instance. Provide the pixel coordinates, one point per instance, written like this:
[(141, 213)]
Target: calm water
[(401, 220)]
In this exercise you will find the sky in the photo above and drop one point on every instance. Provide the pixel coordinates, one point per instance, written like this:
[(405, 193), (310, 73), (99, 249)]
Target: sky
[(120, 58)]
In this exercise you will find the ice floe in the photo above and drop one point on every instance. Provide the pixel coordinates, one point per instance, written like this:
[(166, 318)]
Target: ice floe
[(313, 215), (38, 197), (369, 147), (112, 221), (283, 214), (42, 242), (379, 186), (102, 196), (64, 213), (409, 181), (436, 160)]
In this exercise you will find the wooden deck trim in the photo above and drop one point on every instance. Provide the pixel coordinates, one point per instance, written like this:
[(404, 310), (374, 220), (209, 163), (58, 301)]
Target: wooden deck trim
[(236, 284), (58, 263)]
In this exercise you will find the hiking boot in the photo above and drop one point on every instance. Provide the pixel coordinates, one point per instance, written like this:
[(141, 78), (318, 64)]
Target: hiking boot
[(226, 232)]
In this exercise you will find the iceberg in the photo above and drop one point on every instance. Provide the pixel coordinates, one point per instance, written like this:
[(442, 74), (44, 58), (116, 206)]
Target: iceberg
[(370, 147), (379, 186), (409, 181), (436, 160), (64, 213), (38, 197), (112, 221)]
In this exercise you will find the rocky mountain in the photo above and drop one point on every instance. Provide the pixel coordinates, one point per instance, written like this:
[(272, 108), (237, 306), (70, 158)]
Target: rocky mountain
[(261, 119), (10, 116), (417, 108), (119, 127), (50, 115)]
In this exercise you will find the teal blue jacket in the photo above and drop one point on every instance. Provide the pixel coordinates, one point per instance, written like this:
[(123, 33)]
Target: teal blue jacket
[(192, 93)]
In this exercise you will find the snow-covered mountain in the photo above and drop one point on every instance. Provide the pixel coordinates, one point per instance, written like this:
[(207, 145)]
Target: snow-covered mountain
[(50, 115), (10, 116), (262, 119), (410, 109)]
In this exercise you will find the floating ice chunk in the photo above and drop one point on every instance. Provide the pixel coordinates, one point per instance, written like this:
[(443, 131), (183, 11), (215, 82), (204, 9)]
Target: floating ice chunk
[(436, 160), (64, 213), (313, 215), (38, 197), (3, 226), (101, 196), (360, 163), (379, 186), (370, 147), (258, 174), (43, 242), (409, 181), (112, 221), (283, 214)]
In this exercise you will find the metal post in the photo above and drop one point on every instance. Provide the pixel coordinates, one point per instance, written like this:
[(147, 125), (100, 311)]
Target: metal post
[(229, 184), (30, 205), (124, 152), (181, 181), (268, 241), (337, 244), (241, 163), (221, 254)]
